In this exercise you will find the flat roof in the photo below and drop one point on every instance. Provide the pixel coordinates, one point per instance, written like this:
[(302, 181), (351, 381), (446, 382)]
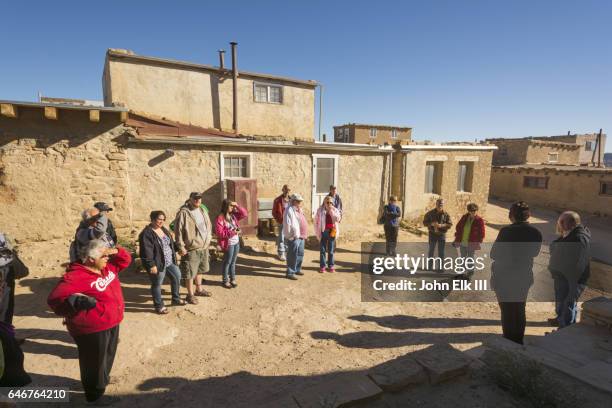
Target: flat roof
[(366, 125), (129, 55), (64, 106), (558, 167), (447, 147)]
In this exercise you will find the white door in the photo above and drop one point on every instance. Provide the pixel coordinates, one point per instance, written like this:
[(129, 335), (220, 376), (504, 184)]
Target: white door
[(324, 174)]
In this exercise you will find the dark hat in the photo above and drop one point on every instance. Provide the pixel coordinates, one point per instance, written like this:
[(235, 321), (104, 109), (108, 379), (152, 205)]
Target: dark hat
[(195, 195), (102, 206)]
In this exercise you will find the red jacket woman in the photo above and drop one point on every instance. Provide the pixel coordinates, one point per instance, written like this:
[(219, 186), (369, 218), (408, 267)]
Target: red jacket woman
[(477, 229), (223, 228), (104, 287)]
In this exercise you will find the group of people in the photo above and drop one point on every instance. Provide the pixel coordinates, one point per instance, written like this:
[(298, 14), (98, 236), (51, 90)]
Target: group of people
[(90, 299)]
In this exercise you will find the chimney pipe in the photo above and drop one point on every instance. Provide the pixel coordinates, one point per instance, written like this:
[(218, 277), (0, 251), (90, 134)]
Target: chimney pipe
[(235, 85), (222, 59)]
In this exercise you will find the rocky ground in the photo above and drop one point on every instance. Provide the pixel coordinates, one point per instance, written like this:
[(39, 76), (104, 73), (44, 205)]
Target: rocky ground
[(252, 344)]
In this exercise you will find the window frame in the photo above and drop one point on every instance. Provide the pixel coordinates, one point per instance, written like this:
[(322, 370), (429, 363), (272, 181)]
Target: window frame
[(588, 143), (268, 86), (527, 184), (249, 164), (556, 155), (373, 133), (468, 180), (394, 133), (608, 191), (438, 166)]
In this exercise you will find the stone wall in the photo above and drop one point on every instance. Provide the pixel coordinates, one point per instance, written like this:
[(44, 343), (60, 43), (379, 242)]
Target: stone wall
[(576, 189), (416, 202), (509, 151), (50, 170), (167, 183), (205, 98), (538, 153)]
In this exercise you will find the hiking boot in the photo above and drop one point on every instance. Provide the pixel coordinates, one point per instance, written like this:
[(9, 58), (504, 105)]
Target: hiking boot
[(299, 273), (292, 277)]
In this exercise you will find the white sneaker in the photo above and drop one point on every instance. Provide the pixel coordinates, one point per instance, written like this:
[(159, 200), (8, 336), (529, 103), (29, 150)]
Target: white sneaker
[(282, 257)]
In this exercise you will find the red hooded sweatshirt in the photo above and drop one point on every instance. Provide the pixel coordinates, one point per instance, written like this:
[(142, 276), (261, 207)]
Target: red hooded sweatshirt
[(104, 287)]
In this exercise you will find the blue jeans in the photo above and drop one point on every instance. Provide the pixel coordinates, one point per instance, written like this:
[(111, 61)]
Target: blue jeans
[(280, 242), (156, 281), (434, 240), (229, 262), (328, 244), (295, 255), (566, 305)]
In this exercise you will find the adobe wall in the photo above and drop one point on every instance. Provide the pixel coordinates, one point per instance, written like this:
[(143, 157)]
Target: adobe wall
[(416, 202), (538, 154), (567, 190)]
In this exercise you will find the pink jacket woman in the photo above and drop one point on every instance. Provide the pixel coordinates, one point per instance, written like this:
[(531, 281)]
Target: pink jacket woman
[(223, 230), (319, 220)]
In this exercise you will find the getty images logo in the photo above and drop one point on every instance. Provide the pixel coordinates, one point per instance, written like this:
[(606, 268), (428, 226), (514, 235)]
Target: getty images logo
[(102, 283)]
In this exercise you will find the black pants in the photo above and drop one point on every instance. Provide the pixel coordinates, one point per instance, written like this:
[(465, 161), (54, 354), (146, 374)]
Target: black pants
[(391, 238), (96, 357), (513, 320)]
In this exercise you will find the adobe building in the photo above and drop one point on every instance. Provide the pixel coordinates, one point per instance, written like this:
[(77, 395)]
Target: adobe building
[(139, 152), (372, 134), (557, 172), (458, 173)]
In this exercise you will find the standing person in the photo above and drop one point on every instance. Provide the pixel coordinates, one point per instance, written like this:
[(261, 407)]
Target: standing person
[(110, 228), (192, 231), (333, 193), (159, 258), (90, 299), (326, 220), (391, 220), (278, 210), (11, 268), (295, 229), (469, 233), (94, 225), (228, 233), (569, 266), (512, 270), (438, 222)]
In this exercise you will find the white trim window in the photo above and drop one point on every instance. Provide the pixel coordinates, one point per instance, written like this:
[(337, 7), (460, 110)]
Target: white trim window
[(553, 157), (346, 135), (235, 165), (393, 133), (267, 93), (373, 132)]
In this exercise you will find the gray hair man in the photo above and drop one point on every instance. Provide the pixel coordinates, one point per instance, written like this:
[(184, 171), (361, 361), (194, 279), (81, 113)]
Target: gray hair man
[(569, 266), (94, 225)]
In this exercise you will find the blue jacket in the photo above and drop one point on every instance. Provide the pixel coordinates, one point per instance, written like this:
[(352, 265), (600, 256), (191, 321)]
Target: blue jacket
[(392, 214)]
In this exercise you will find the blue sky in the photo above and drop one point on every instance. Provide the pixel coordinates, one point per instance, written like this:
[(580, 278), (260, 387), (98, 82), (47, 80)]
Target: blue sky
[(453, 70)]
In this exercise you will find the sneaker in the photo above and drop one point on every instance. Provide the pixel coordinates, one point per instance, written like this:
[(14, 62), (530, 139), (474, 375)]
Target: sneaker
[(104, 401), (282, 257), (233, 283), (299, 273), (292, 277), (331, 269), (322, 270), (227, 285)]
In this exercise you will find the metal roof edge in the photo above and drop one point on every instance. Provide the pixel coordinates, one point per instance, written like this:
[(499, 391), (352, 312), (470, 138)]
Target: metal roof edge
[(65, 106)]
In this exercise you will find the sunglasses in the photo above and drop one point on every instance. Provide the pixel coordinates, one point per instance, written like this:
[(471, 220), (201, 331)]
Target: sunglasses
[(161, 219)]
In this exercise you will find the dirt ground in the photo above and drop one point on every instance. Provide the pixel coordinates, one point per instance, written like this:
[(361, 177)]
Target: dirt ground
[(255, 343)]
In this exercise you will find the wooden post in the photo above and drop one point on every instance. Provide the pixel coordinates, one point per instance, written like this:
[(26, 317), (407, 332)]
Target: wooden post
[(8, 110), (51, 112), (94, 115)]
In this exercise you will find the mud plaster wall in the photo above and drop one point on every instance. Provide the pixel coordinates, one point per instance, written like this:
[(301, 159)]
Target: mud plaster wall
[(50, 170), (416, 202)]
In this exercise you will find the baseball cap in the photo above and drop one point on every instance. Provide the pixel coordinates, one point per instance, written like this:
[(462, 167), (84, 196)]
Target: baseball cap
[(296, 197), (102, 206), (195, 195)]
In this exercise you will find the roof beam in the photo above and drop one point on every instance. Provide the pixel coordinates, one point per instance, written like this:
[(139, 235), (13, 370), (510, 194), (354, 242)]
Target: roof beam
[(124, 116), (9, 110), (51, 112), (94, 115)]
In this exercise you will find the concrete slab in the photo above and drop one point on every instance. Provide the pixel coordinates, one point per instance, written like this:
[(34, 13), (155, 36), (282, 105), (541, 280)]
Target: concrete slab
[(442, 362), (398, 374), (343, 391)]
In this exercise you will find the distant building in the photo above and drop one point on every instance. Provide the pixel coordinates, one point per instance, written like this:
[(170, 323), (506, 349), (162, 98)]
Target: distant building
[(372, 134), (578, 150), (608, 159)]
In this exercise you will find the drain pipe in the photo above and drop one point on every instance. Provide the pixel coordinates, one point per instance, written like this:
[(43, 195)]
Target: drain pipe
[(235, 85), (222, 59)]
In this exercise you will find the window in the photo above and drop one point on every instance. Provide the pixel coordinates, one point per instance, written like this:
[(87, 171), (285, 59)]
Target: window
[(346, 135), (588, 146), (605, 188), (553, 157), (268, 93), (433, 177), (465, 176), (373, 133), (325, 167), (394, 134), (235, 166), (535, 182)]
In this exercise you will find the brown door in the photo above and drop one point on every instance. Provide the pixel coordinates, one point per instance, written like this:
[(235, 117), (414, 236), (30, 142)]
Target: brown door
[(244, 192)]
